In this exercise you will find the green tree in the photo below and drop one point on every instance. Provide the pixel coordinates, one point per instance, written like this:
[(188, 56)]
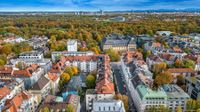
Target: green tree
[(7, 49), (46, 109), (90, 81), (70, 108), (114, 55), (2, 62), (188, 63), (179, 109), (69, 70)]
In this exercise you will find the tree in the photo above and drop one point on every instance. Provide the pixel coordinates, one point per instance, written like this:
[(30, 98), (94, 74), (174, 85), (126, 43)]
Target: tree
[(21, 65), (2, 62), (180, 80), (114, 55), (188, 63), (7, 49), (123, 98), (178, 63), (70, 108), (69, 70), (65, 77), (158, 68), (46, 109), (90, 81), (164, 78), (179, 109), (75, 70)]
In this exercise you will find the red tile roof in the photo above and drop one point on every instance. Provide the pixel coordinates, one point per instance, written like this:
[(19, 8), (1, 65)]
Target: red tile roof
[(4, 91), (181, 70), (52, 76), (13, 104)]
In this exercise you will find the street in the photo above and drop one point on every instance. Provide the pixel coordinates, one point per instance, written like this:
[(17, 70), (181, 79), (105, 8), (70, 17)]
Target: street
[(119, 80)]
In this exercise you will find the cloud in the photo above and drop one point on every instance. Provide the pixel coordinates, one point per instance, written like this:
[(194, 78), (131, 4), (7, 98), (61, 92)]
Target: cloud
[(96, 4)]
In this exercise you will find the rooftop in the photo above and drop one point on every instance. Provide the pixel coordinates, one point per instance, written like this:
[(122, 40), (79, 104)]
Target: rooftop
[(40, 84)]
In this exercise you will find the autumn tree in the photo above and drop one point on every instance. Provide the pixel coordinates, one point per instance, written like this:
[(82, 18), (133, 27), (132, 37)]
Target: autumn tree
[(7, 49), (69, 70), (178, 63), (90, 81), (64, 78), (75, 70), (114, 55), (164, 78), (180, 80), (70, 108), (123, 98), (158, 68), (179, 109)]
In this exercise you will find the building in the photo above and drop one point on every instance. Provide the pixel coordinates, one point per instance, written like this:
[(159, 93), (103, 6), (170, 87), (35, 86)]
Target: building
[(46, 64), (175, 97), (29, 74), (31, 55), (41, 88), (54, 78), (5, 93), (164, 33), (104, 88), (185, 72), (72, 46), (152, 60), (22, 102), (119, 43), (56, 55), (74, 100), (84, 63), (193, 87), (58, 104), (38, 42), (138, 80), (108, 106)]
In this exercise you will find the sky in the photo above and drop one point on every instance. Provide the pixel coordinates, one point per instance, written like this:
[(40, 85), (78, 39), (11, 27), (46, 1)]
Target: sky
[(94, 5)]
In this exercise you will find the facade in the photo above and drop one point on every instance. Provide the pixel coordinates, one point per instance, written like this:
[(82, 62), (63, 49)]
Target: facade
[(119, 43), (193, 87), (37, 42), (164, 33), (56, 55), (185, 72), (22, 102), (72, 46), (41, 88), (152, 60), (74, 100), (175, 97), (31, 55), (108, 106)]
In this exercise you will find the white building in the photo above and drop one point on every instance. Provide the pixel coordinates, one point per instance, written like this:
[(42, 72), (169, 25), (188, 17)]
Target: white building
[(91, 96), (108, 106), (72, 46), (31, 55), (56, 55), (164, 33)]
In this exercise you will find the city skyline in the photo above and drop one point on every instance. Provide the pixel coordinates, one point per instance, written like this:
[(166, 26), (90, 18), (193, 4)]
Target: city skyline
[(93, 5)]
